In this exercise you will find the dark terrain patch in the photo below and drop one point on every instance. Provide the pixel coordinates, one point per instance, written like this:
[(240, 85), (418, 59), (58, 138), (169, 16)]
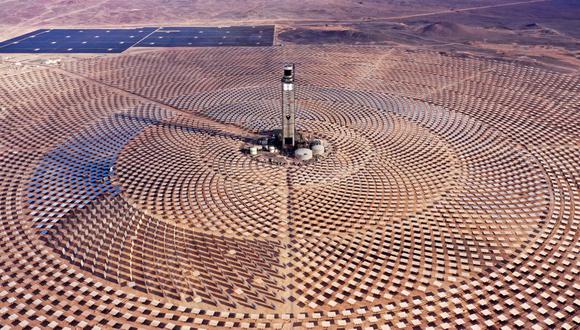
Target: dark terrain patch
[(319, 36)]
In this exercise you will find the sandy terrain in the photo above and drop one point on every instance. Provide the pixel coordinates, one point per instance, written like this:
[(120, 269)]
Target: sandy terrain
[(448, 199), (97, 12), (537, 32)]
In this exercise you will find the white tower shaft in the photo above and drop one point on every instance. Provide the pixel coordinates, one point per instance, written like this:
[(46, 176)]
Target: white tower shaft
[(288, 108)]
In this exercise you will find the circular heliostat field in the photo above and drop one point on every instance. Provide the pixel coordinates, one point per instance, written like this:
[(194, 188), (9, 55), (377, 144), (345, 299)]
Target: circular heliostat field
[(449, 198)]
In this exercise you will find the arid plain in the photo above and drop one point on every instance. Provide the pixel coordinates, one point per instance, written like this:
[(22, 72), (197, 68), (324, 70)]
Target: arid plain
[(449, 199)]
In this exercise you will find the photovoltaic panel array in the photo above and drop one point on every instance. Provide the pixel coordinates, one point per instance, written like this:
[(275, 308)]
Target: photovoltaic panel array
[(119, 40), (210, 36), (76, 41)]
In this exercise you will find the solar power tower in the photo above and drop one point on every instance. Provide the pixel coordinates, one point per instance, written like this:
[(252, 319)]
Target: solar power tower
[(288, 108)]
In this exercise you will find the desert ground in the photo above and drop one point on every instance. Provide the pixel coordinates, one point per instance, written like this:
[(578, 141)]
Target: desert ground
[(537, 32), (448, 199)]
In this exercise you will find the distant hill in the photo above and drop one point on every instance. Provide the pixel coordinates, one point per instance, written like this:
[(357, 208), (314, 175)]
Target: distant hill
[(316, 36), (447, 29)]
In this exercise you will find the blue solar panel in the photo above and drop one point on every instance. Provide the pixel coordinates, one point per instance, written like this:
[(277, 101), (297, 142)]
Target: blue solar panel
[(118, 40), (76, 41), (22, 37), (210, 36)]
